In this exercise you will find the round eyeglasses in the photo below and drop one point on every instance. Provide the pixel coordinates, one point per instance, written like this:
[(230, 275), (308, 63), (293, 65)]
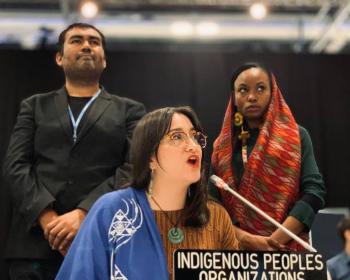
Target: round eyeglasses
[(178, 138)]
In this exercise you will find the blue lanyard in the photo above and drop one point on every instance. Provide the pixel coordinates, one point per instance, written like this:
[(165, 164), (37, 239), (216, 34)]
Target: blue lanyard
[(76, 122)]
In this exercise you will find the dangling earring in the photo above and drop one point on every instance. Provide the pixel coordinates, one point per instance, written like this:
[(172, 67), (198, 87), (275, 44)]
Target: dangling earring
[(244, 134), (238, 119), (150, 186), (189, 192)]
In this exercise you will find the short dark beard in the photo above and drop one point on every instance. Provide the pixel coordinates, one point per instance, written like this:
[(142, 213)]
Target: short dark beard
[(83, 76)]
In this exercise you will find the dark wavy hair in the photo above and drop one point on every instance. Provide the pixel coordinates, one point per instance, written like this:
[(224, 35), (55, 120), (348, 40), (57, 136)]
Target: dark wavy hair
[(147, 136), (81, 25)]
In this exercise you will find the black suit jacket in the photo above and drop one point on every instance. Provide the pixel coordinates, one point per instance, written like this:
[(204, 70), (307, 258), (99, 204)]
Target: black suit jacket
[(43, 167)]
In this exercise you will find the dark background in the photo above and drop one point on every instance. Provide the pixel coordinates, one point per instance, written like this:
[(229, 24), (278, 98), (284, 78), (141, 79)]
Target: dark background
[(316, 87)]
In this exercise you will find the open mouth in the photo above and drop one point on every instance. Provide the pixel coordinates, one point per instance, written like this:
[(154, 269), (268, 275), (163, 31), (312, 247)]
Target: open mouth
[(193, 160)]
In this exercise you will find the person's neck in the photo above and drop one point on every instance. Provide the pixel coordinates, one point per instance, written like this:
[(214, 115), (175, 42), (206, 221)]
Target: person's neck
[(254, 124), (81, 89), (347, 248), (169, 195)]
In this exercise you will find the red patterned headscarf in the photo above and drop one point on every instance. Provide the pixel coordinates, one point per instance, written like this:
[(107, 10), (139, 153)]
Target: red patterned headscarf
[(271, 176)]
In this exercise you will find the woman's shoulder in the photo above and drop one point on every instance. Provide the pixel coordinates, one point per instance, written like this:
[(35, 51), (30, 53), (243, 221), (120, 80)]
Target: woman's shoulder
[(302, 130), (216, 209), (112, 199), (219, 218), (125, 192), (305, 137)]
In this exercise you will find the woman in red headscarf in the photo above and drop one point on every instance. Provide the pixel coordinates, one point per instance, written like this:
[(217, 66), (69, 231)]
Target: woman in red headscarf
[(262, 153)]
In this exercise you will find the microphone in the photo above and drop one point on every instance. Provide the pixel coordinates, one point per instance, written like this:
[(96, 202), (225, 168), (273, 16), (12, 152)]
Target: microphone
[(222, 185)]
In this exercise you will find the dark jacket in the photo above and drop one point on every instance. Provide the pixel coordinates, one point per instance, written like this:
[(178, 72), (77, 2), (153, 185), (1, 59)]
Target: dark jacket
[(44, 168)]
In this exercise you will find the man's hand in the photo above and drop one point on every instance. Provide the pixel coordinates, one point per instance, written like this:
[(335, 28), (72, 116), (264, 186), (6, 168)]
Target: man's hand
[(46, 216), (61, 230), (65, 250)]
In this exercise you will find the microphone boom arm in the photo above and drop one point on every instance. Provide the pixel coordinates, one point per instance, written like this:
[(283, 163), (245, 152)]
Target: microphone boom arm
[(221, 184)]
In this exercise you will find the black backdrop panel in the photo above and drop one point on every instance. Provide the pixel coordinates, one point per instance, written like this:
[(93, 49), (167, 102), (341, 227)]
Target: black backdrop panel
[(316, 87)]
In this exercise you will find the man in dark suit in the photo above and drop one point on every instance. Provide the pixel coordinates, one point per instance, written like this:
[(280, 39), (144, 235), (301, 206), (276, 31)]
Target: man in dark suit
[(68, 148)]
